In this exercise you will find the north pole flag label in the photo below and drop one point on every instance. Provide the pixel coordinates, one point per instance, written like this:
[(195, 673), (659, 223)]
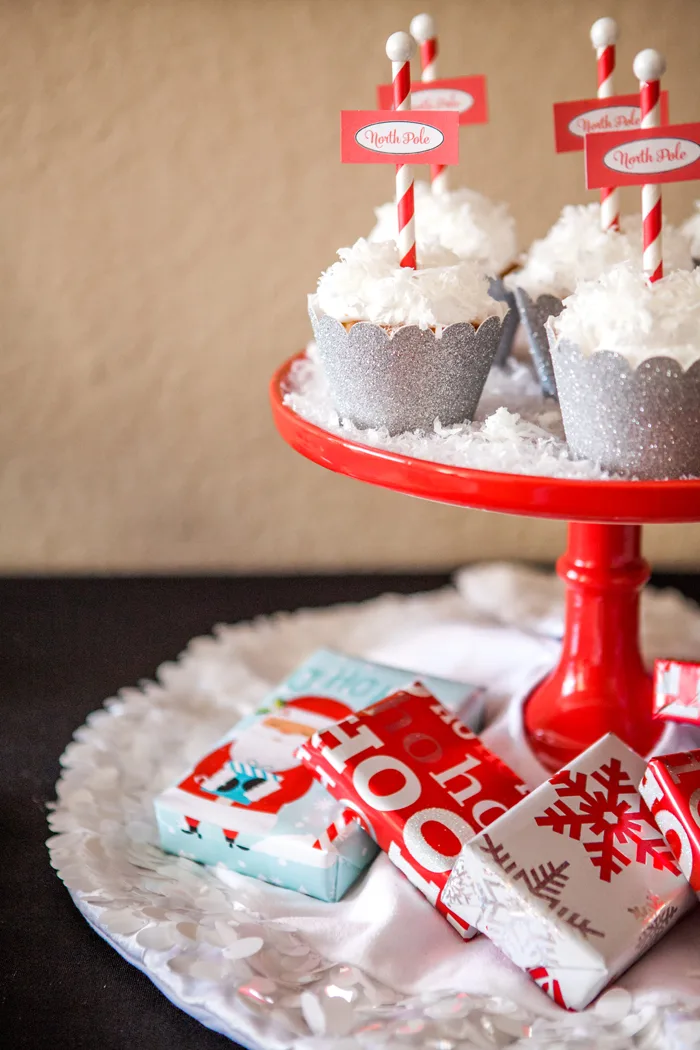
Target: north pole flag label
[(385, 137), (632, 158), (588, 116), (465, 96)]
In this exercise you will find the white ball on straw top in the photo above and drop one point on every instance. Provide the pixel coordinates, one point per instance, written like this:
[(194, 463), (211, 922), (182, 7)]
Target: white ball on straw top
[(649, 65), (423, 28), (604, 32), (400, 47)]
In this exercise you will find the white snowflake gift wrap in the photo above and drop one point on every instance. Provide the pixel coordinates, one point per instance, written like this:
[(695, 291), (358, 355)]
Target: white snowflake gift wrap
[(575, 882)]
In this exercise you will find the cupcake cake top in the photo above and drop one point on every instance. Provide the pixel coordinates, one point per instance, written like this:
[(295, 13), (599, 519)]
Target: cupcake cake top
[(620, 311), (691, 230), (462, 220), (576, 249), (368, 284)]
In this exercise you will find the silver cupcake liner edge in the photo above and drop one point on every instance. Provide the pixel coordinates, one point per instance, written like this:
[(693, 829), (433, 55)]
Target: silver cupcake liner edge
[(533, 315), (642, 422), (407, 378), (502, 294)]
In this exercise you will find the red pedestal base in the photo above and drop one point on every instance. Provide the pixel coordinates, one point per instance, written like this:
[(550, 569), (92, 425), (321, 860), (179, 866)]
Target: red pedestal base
[(600, 685)]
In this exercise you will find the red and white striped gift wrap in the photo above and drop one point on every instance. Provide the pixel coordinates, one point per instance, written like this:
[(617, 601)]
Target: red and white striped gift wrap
[(671, 790), (418, 781), (677, 691)]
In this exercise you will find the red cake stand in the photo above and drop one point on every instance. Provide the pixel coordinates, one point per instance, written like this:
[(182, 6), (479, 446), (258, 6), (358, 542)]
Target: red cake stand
[(601, 684)]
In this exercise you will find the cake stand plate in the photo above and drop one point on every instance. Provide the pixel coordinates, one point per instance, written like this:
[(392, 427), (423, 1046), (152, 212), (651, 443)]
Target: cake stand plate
[(600, 684)]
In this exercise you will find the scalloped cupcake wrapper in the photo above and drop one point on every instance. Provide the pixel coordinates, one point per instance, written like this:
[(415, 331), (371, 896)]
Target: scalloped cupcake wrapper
[(407, 378), (643, 422), (502, 294), (534, 314)]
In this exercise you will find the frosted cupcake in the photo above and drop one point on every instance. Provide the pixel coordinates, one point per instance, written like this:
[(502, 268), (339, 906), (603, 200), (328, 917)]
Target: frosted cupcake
[(474, 228), (463, 221), (577, 249), (402, 348), (625, 356), (691, 231)]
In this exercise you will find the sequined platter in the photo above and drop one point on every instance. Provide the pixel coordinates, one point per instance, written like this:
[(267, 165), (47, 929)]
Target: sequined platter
[(243, 958)]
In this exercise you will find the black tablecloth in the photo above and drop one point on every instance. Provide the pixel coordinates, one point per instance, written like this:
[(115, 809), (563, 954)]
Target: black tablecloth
[(66, 645)]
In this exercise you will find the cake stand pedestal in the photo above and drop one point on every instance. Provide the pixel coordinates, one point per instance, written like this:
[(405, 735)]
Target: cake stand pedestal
[(600, 684)]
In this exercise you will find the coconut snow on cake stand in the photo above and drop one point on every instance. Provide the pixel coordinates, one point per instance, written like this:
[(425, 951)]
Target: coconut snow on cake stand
[(600, 684)]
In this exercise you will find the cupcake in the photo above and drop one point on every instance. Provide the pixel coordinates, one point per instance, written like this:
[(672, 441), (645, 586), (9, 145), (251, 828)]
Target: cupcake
[(463, 221), (399, 347), (474, 228), (625, 356), (577, 249), (691, 230)]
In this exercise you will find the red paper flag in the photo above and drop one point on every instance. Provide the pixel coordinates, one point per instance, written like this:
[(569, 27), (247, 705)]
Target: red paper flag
[(650, 155), (586, 116), (465, 96), (385, 137)]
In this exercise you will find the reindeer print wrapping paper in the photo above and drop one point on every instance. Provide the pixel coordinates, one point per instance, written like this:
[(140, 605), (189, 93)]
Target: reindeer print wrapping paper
[(251, 805), (577, 881)]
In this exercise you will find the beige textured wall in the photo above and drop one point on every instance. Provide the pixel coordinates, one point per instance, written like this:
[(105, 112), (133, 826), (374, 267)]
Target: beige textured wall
[(159, 229)]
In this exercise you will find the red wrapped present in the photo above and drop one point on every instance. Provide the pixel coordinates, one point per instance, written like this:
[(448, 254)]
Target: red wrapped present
[(418, 781), (671, 790), (677, 691)]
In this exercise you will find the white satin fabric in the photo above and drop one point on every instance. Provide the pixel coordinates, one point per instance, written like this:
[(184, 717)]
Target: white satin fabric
[(500, 629)]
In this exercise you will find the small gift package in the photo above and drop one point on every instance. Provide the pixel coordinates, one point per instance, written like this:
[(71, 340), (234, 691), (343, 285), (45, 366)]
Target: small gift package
[(671, 790), (418, 780), (249, 804), (577, 881), (677, 691)]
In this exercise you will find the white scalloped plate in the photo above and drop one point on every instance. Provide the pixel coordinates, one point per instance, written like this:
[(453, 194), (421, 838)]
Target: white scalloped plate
[(195, 932)]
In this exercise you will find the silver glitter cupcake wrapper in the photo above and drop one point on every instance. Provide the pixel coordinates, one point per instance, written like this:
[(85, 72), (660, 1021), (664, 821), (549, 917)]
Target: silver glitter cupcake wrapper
[(409, 378), (502, 294), (643, 422), (533, 315)]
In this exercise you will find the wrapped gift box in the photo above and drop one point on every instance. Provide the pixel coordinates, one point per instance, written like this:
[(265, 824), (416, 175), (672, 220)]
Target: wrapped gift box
[(249, 804), (576, 881), (418, 780), (671, 790), (677, 691)]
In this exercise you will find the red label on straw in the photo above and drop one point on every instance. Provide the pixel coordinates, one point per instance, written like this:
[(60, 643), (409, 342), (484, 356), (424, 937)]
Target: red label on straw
[(465, 96), (650, 155), (588, 116), (374, 136)]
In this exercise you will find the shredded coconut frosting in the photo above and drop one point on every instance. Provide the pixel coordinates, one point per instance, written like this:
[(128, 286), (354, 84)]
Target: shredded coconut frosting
[(691, 229), (367, 284), (576, 249), (620, 311), (462, 220)]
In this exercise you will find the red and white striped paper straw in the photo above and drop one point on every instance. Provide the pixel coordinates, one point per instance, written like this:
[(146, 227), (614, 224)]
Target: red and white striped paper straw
[(649, 67), (399, 48), (604, 35), (424, 33)]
